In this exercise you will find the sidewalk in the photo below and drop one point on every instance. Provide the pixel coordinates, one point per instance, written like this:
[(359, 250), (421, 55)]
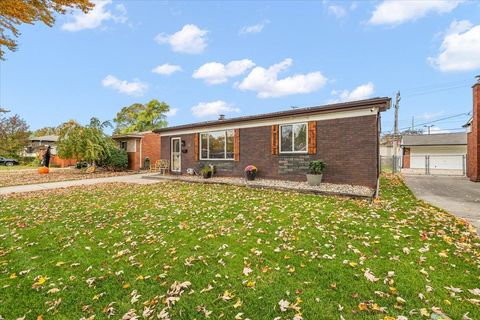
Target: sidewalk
[(134, 178)]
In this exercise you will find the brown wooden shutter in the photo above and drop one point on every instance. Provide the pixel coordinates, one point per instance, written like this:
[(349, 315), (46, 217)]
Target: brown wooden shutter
[(312, 137), (196, 144), (236, 145), (275, 139)]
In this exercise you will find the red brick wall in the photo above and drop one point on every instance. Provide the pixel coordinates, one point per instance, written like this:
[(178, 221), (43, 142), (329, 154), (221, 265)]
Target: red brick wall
[(62, 163), (150, 147), (406, 157), (473, 139), (133, 161), (348, 146)]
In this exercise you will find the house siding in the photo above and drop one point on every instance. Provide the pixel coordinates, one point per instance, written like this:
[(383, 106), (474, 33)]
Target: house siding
[(349, 146), (473, 139)]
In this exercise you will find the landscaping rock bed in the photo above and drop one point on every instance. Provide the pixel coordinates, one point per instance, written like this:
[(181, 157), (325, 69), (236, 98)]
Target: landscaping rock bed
[(298, 186)]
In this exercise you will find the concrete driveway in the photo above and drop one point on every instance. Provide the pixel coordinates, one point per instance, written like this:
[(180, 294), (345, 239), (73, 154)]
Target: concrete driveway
[(456, 195)]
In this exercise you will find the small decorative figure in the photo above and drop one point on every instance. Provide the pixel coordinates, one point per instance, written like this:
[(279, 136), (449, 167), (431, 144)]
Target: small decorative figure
[(46, 157)]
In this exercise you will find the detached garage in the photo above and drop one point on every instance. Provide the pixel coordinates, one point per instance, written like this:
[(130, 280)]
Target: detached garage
[(443, 153)]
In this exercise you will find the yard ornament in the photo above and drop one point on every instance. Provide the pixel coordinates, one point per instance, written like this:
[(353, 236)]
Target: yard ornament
[(45, 161)]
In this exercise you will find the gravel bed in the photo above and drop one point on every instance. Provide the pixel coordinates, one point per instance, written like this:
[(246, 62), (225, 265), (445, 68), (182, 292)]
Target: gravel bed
[(299, 186)]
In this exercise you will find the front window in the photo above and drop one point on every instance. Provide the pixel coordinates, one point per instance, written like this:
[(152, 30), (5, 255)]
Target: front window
[(293, 138), (216, 145), (123, 145)]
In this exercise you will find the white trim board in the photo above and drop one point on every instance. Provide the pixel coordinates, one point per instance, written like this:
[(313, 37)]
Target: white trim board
[(269, 122)]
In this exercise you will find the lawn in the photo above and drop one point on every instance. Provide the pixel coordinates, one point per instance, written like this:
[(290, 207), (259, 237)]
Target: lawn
[(24, 176), (19, 167), (187, 251)]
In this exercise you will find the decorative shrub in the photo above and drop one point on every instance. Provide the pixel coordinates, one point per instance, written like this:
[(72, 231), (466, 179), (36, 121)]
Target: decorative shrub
[(207, 171), (250, 168), (316, 167), (116, 160)]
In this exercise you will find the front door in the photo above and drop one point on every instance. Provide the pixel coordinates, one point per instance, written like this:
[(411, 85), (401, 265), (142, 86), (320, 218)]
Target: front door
[(176, 157)]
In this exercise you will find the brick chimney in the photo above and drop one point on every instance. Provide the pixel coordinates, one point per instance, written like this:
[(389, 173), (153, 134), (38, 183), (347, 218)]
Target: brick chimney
[(473, 147)]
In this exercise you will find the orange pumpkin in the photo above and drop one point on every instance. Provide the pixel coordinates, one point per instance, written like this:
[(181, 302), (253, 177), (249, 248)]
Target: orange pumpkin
[(43, 170)]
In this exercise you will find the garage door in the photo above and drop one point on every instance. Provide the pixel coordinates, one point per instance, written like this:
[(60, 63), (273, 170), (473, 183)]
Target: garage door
[(437, 164)]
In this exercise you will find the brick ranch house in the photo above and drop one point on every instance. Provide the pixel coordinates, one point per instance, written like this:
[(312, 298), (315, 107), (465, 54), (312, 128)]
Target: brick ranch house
[(281, 144), (473, 136), (140, 146)]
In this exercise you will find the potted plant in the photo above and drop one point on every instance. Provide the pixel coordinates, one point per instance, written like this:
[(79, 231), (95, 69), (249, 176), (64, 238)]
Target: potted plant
[(250, 172), (207, 172), (315, 172)]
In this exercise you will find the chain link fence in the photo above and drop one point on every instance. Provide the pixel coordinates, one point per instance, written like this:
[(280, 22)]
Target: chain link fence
[(390, 164), (454, 165)]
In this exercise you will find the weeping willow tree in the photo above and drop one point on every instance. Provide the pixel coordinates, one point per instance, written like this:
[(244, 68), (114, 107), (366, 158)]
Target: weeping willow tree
[(84, 143)]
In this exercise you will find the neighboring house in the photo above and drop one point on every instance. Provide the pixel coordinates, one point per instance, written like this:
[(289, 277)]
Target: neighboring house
[(387, 149), (281, 144), (443, 151), (473, 136), (143, 148), (38, 145)]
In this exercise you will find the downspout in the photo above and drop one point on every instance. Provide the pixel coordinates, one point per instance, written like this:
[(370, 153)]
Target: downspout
[(379, 124), (140, 154)]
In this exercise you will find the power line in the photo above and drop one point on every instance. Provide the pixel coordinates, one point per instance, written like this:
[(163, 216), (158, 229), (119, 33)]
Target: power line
[(442, 84), (435, 91), (435, 121)]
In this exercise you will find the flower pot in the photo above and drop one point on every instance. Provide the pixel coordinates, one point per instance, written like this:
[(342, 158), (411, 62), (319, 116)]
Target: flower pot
[(250, 175), (207, 175), (314, 179)]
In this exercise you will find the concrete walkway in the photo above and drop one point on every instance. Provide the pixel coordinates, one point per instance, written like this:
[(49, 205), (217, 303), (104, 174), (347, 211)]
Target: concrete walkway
[(456, 195), (134, 178)]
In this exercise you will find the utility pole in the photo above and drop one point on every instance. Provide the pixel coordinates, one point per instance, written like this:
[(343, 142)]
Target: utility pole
[(428, 127), (413, 123), (395, 130)]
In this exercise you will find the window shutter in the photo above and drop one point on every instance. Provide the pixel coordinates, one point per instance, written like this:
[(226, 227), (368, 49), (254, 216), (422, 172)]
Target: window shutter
[(275, 139), (312, 137), (196, 152), (236, 145)]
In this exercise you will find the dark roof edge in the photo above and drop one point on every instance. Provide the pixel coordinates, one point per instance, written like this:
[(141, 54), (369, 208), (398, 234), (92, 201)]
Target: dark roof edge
[(383, 103), (433, 144)]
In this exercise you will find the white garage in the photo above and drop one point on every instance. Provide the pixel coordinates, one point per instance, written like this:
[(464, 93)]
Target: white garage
[(443, 153)]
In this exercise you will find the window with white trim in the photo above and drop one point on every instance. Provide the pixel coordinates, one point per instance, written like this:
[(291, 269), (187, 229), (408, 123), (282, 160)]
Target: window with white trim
[(293, 138), (216, 145)]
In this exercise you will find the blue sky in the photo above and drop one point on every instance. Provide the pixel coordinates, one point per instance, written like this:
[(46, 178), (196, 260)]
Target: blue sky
[(242, 58)]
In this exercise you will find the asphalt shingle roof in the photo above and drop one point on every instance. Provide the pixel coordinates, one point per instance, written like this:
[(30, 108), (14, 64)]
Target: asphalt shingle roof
[(459, 138)]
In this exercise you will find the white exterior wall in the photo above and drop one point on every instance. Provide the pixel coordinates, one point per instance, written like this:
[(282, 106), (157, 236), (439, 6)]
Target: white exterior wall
[(441, 157), (132, 145)]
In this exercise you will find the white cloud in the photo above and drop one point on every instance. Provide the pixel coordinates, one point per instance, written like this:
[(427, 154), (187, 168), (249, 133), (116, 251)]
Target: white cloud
[(171, 112), (96, 16), (191, 39), (266, 83), (436, 129), (460, 49), (361, 92), (214, 108), (134, 88), (166, 69), (431, 115), (337, 11), (255, 28), (394, 12), (216, 73)]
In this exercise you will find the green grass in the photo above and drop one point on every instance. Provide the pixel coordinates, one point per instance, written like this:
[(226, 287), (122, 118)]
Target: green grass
[(19, 167), (312, 251)]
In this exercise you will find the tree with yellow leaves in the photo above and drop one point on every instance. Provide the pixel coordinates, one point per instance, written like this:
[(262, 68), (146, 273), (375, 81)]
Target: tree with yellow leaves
[(15, 12)]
